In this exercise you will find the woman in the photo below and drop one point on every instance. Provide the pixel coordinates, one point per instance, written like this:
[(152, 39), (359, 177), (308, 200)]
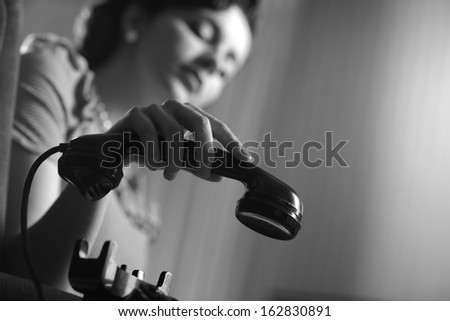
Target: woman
[(130, 53)]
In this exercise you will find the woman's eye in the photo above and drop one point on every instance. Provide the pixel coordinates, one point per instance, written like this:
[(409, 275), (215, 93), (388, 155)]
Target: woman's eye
[(204, 30)]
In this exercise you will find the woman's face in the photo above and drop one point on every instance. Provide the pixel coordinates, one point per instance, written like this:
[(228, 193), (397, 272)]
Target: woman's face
[(191, 54)]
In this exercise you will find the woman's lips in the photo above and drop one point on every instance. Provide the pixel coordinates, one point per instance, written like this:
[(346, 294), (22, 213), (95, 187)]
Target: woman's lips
[(191, 79)]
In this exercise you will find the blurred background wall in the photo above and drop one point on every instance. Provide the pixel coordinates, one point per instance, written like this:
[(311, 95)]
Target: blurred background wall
[(375, 73)]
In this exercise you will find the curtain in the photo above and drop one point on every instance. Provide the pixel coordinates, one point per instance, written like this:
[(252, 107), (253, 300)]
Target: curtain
[(375, 74)]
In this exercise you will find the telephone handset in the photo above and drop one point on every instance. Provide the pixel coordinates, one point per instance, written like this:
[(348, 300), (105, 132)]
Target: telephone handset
[(269, 206)]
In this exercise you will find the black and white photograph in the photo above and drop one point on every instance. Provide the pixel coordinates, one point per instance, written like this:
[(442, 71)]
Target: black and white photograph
[(291, 151)]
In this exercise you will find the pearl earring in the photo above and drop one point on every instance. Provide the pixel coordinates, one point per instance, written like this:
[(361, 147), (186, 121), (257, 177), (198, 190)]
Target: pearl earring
[(131, 36)]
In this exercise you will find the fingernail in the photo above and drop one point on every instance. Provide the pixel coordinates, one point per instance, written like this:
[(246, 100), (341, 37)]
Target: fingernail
[(215, 178), (246, 154)]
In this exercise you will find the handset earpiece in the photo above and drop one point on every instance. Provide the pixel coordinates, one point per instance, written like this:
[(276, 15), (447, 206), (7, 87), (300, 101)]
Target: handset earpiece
[(93, 164)]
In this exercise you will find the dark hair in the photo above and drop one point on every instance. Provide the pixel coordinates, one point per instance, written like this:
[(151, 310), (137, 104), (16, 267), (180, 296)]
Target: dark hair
[(102, 29)]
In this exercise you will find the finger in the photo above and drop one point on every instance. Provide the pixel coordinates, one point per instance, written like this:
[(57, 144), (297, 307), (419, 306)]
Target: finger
[(148, 135), (225, 136), (211, 177), (170, 173), (172, 133), (200, 126)]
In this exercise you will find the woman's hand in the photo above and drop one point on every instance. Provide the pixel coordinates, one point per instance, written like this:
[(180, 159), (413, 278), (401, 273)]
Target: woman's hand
[(172, 120)]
